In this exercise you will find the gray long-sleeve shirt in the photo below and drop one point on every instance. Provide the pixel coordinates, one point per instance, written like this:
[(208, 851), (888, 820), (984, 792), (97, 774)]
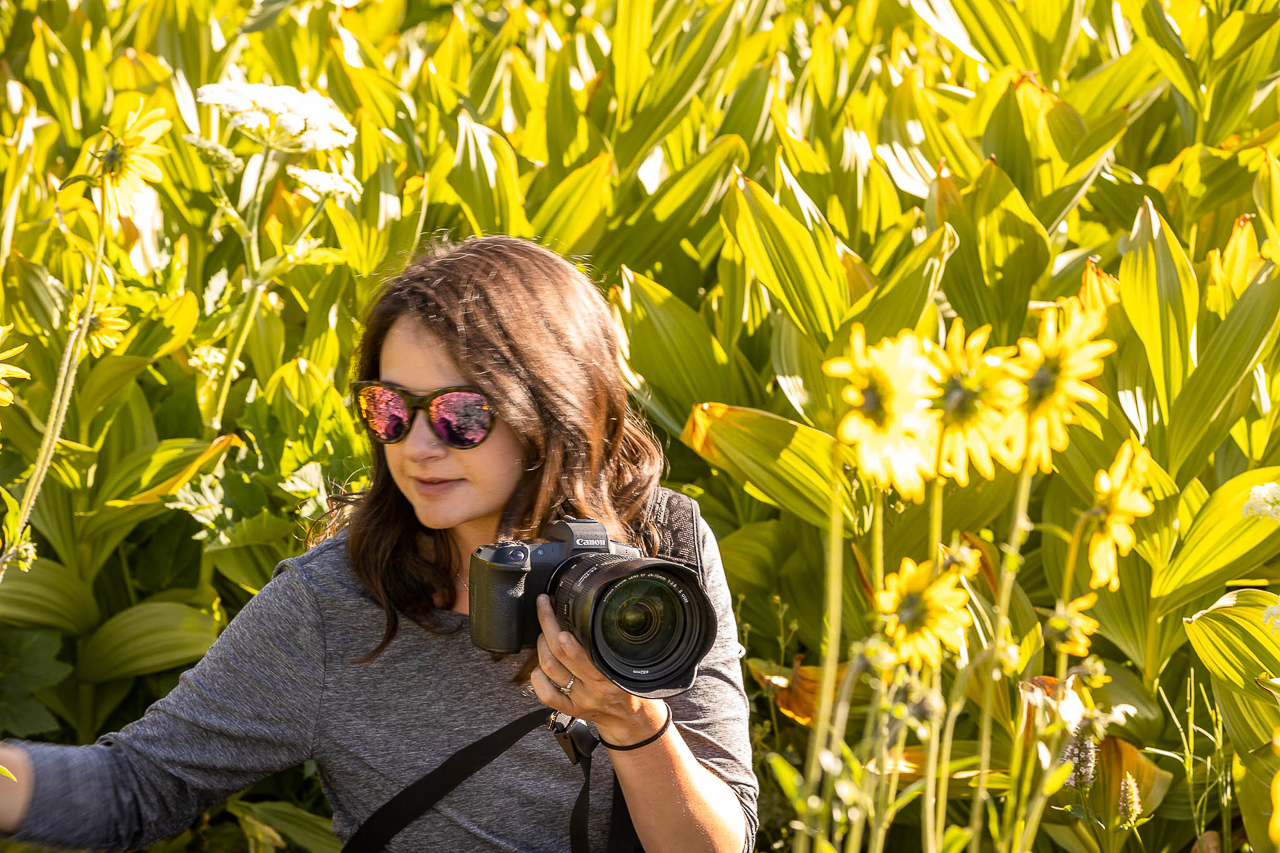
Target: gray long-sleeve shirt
[(278, 688)]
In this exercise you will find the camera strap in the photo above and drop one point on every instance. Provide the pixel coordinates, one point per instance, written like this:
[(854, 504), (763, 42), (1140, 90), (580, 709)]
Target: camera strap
[(574, 738)]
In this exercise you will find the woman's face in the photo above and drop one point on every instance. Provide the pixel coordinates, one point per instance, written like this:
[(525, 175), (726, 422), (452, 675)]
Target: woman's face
[(462, 491)]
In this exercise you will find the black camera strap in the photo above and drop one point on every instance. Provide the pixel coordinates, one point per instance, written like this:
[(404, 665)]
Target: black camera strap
[(573, 736)]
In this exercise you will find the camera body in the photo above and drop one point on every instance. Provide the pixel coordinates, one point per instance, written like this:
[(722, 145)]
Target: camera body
[(646, 622)]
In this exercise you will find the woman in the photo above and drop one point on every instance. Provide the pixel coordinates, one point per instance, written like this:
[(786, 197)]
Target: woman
[(318, 665)]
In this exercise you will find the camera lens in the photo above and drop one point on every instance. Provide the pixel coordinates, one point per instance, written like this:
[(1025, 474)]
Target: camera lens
[(642, 621), (647, 623)]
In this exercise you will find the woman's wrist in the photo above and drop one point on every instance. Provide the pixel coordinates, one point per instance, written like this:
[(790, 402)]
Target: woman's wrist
[(644, 722)]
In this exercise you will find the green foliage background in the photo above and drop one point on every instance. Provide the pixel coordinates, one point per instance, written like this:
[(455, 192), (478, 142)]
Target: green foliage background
[(746, 178)]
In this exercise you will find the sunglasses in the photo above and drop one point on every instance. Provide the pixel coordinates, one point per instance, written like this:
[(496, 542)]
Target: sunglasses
[(460, 417)]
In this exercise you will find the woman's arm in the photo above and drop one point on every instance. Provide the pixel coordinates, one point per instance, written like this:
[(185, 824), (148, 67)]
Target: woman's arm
[(675, 802), (247, 709)]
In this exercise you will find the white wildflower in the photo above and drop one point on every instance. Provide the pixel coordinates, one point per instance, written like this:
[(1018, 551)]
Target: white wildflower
[(324, 183), (291, 123), (231, 98), (1264, 502), (214, 155), (1270, 617), (210, 360), (282, 116), (250, 120)]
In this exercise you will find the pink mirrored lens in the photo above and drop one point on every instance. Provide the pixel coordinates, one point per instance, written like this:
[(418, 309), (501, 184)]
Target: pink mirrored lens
[(384, 411), (461, 418)]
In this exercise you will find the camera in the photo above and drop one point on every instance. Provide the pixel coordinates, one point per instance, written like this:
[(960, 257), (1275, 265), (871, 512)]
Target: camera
[(646, 622)]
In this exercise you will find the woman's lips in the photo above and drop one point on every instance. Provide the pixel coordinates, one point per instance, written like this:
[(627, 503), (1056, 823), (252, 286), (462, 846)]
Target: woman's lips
[(434, 487)]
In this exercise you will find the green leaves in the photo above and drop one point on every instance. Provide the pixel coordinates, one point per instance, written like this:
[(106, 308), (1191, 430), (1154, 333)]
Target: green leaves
[(779, 461), (27, 661), (146, 638), (1160, 297), (1236, 643), (1166, 48), (1003, 253), (1201, 416), (1222, 544), (658, 325), (485, 177), (48, 596), (807, 282)]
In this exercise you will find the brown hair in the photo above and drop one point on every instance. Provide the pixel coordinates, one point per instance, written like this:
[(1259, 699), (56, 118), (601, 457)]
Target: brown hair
[(537, 337)]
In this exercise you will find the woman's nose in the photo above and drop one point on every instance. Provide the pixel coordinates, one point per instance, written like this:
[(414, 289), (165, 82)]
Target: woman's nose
[(422, 440)]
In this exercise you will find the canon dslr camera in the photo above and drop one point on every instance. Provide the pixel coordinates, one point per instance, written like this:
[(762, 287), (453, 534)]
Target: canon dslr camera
[(647, 623)]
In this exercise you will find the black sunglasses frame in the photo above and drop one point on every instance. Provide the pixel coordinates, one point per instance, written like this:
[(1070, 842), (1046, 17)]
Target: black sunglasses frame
[(420, 403)]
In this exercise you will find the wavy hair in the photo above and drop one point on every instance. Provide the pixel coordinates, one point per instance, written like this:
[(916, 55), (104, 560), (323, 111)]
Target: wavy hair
[(537, 336)]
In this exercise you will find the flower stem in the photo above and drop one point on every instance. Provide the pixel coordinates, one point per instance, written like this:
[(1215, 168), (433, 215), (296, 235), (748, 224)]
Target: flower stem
[(255, 298), (61, 397), (1008, 568), (255, 211), (871, 727), (233, 355), (955, 705), (831, 654), (929, 801), (877, 540), (1068, 577)]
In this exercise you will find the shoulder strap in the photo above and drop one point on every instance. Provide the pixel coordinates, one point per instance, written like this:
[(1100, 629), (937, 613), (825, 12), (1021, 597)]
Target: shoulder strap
[(622, 832), (405, 807), (677, 515)]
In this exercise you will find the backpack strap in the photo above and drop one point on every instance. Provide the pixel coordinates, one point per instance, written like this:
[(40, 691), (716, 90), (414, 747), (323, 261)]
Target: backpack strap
[(677, 516)]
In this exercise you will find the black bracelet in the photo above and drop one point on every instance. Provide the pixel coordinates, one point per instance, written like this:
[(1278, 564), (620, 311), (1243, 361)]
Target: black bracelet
[(644, 742)]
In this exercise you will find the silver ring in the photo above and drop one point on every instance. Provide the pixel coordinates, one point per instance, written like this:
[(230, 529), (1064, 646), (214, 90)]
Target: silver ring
[(565, 690)]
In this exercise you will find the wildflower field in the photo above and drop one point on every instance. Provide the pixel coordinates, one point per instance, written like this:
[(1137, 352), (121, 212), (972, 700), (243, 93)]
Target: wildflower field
[(959, 318)]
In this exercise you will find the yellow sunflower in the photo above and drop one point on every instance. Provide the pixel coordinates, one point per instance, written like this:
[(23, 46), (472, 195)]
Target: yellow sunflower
[(922, 614), (1118, 495), (1070, 628), (890, 424), (8, 371), (973, 395), (106, 325), (1054, 367), (126, 160)]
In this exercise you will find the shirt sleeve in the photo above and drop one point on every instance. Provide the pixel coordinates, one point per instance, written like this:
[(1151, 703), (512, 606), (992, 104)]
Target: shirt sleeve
[(248, 709), (712, 716)]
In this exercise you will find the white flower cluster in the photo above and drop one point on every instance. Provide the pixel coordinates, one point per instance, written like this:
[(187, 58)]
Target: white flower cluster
[(282, 116), (1264, 502), (324, 183), (214, 155), (210, 359), (1270, 617)]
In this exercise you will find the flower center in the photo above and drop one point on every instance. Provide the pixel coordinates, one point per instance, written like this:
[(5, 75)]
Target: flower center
[(872, 407), (1041, 384), (959, 402), (912, 612), (113, 158)]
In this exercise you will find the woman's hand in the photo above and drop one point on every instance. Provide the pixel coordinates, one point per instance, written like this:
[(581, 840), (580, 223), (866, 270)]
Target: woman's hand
[(675, 802), (620, 717)]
